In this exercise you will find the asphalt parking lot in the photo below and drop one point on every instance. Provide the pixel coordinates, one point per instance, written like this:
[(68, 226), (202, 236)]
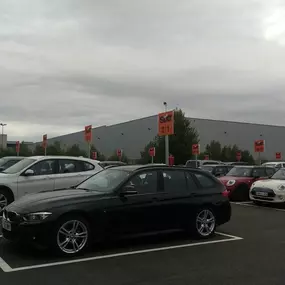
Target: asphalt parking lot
[(248, 250)]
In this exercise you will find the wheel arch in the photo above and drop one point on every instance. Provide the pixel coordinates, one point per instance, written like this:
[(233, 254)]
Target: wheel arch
[(9, 190), (81, 213)]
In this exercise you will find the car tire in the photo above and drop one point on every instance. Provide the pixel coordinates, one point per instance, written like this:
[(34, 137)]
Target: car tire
[(6, 198), (202, 227), (240, 194), (71, 236)]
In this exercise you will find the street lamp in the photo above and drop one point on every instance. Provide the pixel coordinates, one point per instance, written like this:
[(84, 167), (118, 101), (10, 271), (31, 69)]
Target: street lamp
[(2, 125)]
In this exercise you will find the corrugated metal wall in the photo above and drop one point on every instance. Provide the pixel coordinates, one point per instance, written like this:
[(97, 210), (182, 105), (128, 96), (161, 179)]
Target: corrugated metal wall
[(132, 136)]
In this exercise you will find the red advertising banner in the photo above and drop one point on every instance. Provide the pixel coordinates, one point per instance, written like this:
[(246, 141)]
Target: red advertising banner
[(238, 156), (44, 143), (17, 147), (259, 145), (119, 153), (88, 133), (151, 151), (171, 160), (278, 155), (166, 123), (94, 155), (195, 149)]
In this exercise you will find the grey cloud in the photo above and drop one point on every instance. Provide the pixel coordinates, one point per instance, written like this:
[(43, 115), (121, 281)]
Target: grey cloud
[(64, 64)]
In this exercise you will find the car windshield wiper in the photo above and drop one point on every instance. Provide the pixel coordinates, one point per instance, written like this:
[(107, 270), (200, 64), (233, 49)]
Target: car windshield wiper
[(81, 188)]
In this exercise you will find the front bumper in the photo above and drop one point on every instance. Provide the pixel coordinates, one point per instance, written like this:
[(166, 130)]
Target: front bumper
[(36, 233), (269, 196)]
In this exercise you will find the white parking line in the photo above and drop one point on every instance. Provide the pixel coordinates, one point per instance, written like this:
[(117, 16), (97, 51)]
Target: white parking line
[(7, 268), (255, 206)]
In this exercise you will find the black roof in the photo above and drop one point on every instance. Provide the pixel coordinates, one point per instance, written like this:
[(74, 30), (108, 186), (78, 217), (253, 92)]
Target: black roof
[(153, 166), (113, 161)]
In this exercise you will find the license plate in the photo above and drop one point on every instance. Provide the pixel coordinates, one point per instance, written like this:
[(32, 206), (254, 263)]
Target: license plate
[(6, 225), (261, 194)]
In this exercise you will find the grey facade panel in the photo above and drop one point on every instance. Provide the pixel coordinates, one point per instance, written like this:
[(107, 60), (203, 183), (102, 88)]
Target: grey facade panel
[(132, 136)]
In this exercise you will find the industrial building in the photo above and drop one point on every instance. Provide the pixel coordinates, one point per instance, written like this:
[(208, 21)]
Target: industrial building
[(4, 143), (132, 136)]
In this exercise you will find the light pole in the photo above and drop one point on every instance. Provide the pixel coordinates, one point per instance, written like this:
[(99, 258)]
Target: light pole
[(166, 140), (2, 126)]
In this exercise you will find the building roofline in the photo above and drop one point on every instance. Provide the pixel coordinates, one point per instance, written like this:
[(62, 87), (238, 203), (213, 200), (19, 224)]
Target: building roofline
[(236, 122), (152, 116)]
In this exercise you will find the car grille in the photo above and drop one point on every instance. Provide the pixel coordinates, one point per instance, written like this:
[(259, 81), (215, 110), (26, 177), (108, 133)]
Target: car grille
[(270, 193), (11, 216)]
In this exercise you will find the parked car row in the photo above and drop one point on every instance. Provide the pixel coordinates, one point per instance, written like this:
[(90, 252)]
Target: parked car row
[(26, 175), (116, 201), (239, 180)]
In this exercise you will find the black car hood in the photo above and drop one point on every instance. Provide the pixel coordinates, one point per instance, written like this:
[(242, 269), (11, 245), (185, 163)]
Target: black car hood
[(53, 199)]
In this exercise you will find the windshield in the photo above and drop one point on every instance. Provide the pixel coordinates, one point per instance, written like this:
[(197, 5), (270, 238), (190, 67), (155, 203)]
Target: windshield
[(207, 168), (19, 166), (280, 174), (240, 172), (104, 181), (3, 161), (192, 163)]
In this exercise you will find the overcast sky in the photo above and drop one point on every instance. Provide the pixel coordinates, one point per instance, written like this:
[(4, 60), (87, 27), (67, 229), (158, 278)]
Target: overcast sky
[(65, 64)]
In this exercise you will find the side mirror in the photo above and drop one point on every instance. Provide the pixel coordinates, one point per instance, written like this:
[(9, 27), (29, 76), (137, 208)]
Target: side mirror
[(29, 172), (128, 190)]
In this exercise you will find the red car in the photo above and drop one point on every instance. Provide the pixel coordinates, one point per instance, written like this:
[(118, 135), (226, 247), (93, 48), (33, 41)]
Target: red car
[(239, 179)]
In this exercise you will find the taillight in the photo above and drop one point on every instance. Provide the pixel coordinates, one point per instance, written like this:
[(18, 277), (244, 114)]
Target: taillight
[(225, 193)]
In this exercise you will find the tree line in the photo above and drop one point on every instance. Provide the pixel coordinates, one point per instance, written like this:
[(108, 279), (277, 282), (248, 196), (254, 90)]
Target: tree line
[(180, 146)]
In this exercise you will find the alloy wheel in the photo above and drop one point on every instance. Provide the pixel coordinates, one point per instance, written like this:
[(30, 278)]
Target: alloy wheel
[(72, 236), (205, 223)]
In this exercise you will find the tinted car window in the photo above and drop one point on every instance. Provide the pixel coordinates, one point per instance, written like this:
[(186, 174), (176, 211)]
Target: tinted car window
[(87, 166), (44, 167), (144, 182), (261, 172), (191, 184), (174, 181), (204, 180), (220, 169), (72, 166)]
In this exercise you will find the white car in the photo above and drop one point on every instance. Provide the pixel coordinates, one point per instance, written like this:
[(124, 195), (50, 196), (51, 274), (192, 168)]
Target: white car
[(278, 164), (39, 173), (270, 190)]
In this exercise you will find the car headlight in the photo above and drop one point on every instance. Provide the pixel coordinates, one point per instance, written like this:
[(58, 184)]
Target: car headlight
[(281, 187), (35, 217), (231, 182)]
